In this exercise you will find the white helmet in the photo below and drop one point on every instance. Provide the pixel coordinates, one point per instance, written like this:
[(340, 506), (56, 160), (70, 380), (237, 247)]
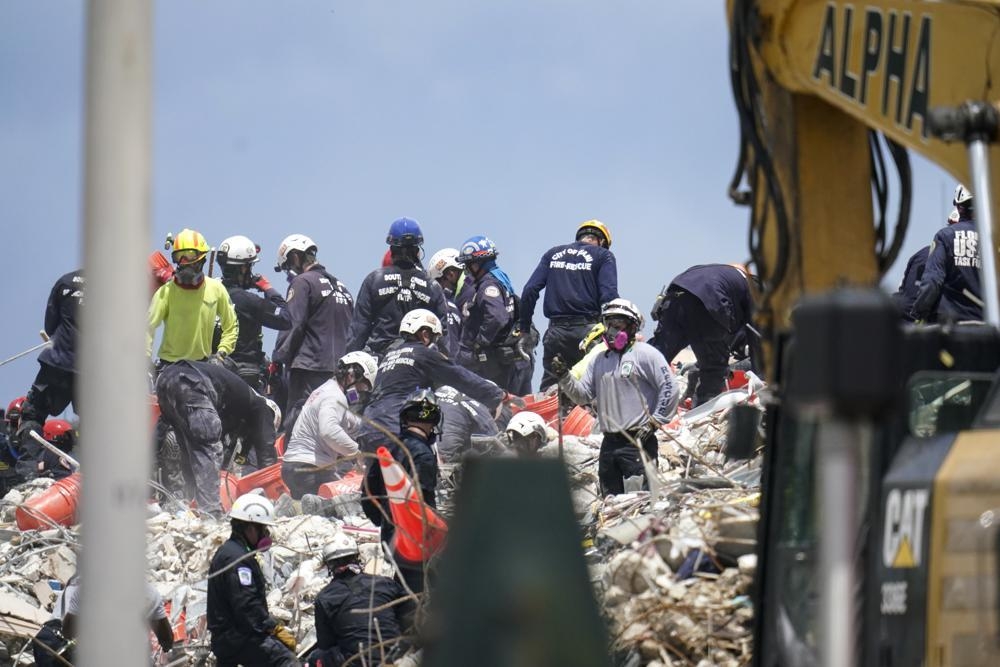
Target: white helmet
[(525, 423), (274, 409), (623, 307), (299, 242), (962, 195), (238, 250), (446, 258), (417, 319), (253, 508), (369, 367), (342, 546)]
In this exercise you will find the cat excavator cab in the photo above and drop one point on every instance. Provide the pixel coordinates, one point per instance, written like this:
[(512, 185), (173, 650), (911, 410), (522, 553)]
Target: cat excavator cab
[(881, 484)]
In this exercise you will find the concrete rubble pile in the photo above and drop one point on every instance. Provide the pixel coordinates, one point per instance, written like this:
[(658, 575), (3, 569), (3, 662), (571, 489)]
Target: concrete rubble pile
[(671, 567), (35, 565)]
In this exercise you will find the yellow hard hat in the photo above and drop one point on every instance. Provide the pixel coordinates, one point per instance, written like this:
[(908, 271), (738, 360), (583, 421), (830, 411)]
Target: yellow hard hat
[(189, 246), (594, 227)]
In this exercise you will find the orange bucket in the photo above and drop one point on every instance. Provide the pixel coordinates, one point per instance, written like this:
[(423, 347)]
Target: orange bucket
[(279, 445), (350, 483), (578, 422), (546, 407), (58, 503), (737, 380), (268, 478)]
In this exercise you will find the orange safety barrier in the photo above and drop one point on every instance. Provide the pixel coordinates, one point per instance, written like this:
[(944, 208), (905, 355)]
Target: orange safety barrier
[(268, 478), (179, 626), (57, 503), (546, 407), (420, 531), (578, 422), (349, 483)]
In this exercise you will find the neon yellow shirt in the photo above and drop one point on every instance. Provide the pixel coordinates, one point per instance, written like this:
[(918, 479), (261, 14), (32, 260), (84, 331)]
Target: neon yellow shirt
[(188, 317)]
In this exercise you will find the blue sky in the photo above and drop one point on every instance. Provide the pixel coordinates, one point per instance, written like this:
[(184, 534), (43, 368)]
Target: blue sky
[(518, 120)]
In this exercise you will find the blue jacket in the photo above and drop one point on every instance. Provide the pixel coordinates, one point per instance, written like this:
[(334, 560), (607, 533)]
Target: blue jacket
[(487, 318), (408, 365), (385, 296), (320, 308), (61, 312), (909, 288), (452, 338), (578, 279), (254, 313), (952, 269), (722, 289)]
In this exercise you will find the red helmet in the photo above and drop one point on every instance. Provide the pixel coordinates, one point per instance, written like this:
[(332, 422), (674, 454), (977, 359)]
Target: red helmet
[(59, 432), (13, 414)]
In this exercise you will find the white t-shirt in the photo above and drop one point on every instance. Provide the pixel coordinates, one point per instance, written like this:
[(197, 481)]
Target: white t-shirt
[(68, 602)]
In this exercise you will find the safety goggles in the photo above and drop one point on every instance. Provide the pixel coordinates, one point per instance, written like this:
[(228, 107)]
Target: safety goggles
[(182, 257)]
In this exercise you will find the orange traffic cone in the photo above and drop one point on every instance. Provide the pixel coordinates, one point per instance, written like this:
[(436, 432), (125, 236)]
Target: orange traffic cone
[(420, 531)]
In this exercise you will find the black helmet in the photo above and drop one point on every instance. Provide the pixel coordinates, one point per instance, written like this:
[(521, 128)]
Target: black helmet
[(421, 406)]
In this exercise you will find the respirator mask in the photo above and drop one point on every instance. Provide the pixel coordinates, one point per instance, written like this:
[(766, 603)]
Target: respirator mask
[(616, 333)]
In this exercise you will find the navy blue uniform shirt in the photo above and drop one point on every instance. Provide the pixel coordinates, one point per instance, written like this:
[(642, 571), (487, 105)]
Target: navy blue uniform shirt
[(385, 296), (321, 308), (951, 274), (254, 313), (578, 278)]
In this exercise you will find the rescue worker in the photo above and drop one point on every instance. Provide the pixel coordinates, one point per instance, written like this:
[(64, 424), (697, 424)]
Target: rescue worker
[(420, 425), (188, 306), (236, 257), (632, 390), (9, 453), (489, 317), (55, 383), (578, 278), (325, 430), (909, 287), (58, 635), (388, 293), (57, 432), (465, 424), (527, 433), (950, 287), (202, 402), (321, 308), (344, 627), (446, 270), (707, 307), (243, 630), (412, 361)]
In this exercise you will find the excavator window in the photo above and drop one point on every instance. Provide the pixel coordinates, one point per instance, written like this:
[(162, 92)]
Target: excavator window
[(945, 402)]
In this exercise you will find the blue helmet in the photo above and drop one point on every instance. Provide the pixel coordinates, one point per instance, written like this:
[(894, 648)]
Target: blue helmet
[(477, 249), (404, 232)]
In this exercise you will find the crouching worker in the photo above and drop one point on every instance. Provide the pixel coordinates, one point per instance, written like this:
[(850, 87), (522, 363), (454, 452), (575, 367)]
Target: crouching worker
[(203, 401), (54, 644), (526, 432), (345, 626), (243, 631)]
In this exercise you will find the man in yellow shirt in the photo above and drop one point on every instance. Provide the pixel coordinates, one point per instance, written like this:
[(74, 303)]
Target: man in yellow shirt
[(188, 306)]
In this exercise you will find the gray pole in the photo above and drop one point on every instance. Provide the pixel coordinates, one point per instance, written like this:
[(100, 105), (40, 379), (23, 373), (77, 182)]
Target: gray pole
[(837, 471), (979, 166), (112, 386)]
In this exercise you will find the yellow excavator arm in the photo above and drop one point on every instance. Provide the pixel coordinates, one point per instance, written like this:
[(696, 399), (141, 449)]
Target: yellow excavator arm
[(813, 80)]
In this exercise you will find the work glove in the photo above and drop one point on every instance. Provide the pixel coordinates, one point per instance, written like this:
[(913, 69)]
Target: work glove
[(559, 367), (285, 636), (647, 429), (514, 401), (527, 341), (261, 283)]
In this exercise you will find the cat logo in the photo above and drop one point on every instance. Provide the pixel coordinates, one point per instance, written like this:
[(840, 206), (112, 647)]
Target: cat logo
[(903, 535)]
